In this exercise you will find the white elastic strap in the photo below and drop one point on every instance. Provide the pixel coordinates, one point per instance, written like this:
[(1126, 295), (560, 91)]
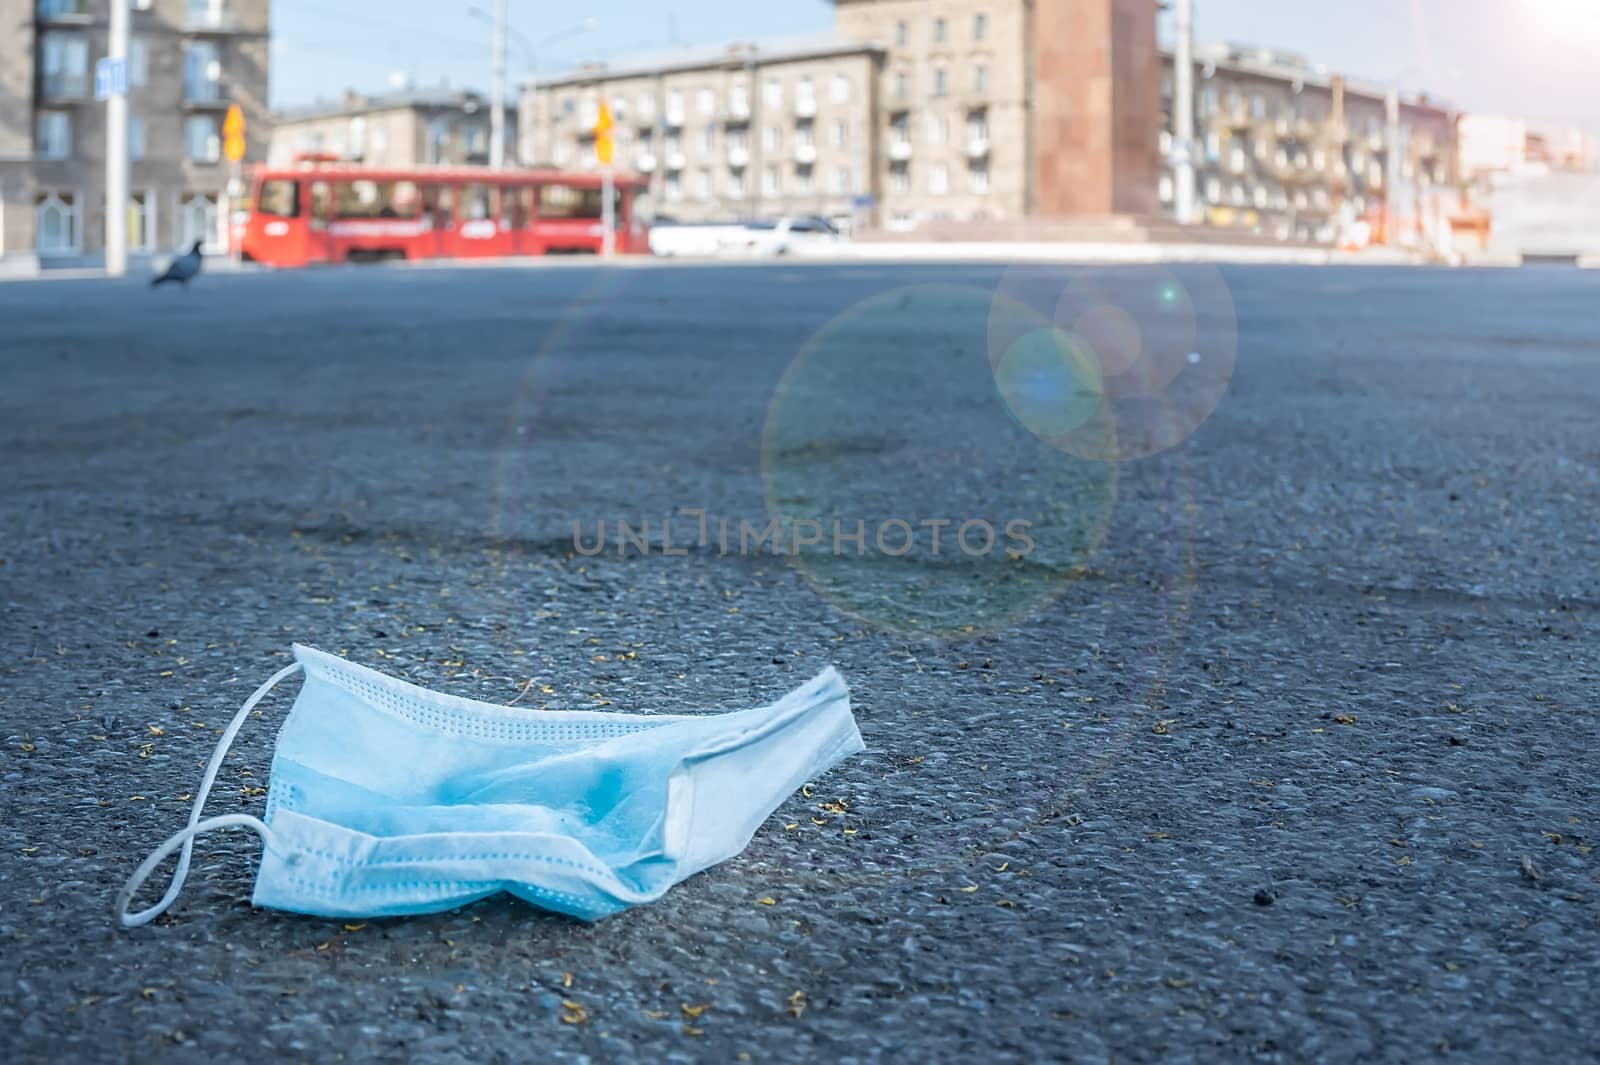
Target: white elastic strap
[(185, 838)]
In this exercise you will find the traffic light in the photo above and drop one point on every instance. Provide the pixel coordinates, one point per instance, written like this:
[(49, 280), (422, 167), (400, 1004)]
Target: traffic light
[(604, 147), (233, 134)]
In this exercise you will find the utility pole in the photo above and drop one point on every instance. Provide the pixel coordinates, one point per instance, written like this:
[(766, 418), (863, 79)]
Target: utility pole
[(117, 150), (1183, 114), (1392, 164), (497, 106)]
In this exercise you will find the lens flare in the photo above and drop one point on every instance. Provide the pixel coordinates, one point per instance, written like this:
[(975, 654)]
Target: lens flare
[(910, 484), (1159, 342)]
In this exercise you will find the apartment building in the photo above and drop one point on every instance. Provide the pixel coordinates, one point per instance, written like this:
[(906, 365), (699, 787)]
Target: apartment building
[(1289, 150), (739, 131), (992, 110), (188, 61), (408, 127)]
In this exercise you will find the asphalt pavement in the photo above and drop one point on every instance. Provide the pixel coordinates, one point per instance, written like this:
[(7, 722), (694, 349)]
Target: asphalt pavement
[(1274, 745)]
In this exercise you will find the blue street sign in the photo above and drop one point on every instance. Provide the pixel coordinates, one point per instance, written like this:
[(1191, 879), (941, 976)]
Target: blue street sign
[(110, 78), (861, 201)]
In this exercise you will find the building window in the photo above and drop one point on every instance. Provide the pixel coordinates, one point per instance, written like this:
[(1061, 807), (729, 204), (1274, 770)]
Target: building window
[(772, 183), (357, 136), (705, 101), (1213, 147), (135, 137), (202, 72), (839, 89), (901, 33), (66, 64), (1213, 190), (708, 138), (980, 27), (772, 93), (702, 183), (200, 141), (802, 179), (141, 221), (53, 134), (805, 94), (675, 106), (978, 176), (736, 183), (902, 85), (138, 62), (941, 82), (938, 129), (940, 28), (674, 185), (739, 100), (197, 220), (938, 179), (804, 133), (1237, 193), (1208, 100), (55, 222), (647, 106), (900, 176), (841, 180), (380, 141), (771, 139), (1164, 188), (1260, 195), (900, 127), (213, 13), (439, 140), (841, 132), (980, 79), (978, 125), (1164, 143)]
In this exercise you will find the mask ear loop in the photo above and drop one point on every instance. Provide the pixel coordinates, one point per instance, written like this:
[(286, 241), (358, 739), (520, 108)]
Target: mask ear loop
[(185, 837)]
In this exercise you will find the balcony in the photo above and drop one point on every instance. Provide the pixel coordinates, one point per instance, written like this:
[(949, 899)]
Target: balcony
[(805, 106), (672, 118), (64, 12), (675, 161), (645, 163), (900, 150), (209, 17), (977, 146), (738, 156), (737, 110), (805, 154), (57, 86), (200, 94)]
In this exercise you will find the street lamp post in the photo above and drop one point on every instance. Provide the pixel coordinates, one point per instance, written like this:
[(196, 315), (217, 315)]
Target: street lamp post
[(117, 150), (530, 50), (497, 115), (1183, 114)]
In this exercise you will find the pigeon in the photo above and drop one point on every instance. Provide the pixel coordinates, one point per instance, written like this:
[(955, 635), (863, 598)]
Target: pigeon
[(182, 268)]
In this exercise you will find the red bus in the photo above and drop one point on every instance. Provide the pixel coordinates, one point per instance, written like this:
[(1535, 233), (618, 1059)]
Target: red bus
[(337, 213)]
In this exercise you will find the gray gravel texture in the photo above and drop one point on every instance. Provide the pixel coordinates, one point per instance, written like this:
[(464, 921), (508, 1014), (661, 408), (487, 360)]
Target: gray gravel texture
[(1297, 765)]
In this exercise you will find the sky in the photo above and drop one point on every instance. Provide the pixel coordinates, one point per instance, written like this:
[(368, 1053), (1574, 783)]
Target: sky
[(1535, 58)]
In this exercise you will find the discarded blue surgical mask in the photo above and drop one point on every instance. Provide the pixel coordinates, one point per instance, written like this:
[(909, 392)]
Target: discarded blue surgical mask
[(388, 799)]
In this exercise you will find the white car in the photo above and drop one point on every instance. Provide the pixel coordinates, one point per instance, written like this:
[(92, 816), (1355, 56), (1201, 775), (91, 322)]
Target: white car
[(786, 236)]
